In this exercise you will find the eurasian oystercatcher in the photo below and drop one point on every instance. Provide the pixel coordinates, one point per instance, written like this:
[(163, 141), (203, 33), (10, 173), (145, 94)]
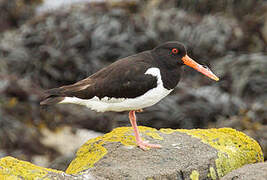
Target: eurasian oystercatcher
[(131, 83)]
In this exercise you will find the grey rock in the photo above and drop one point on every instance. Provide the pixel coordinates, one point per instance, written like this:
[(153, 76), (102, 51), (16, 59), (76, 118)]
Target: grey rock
[(256, 171)]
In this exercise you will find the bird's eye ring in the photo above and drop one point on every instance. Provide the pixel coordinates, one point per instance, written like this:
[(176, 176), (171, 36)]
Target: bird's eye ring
[(174, 51)]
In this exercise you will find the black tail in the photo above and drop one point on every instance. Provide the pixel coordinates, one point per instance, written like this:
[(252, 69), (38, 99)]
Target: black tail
[(51, 100), (53, 96)]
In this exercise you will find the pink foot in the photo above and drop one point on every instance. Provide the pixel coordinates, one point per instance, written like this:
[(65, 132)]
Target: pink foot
[(144, 145)]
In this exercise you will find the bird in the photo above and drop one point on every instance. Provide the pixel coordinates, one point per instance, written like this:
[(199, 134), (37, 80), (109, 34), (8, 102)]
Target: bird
[(131, 83)]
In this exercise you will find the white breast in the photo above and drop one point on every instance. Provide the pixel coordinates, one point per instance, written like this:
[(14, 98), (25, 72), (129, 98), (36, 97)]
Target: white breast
[(150, 98)]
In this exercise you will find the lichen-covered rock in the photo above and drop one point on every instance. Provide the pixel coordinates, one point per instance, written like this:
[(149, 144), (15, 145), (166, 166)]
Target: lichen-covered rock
[(250, 121), (185, 154), (11, 168), (256, 171)]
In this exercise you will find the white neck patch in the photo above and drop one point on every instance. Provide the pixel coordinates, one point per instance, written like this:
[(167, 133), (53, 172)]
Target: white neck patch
[(156, 73)]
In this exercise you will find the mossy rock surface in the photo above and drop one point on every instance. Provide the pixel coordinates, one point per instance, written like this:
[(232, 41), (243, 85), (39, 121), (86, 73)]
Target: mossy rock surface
[(14, 169), (186, 154)]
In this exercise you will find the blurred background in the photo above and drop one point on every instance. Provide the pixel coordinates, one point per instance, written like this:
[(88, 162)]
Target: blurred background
[(46, 44)]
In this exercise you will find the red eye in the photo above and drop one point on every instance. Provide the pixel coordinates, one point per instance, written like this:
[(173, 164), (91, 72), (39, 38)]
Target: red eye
[(174, 51)]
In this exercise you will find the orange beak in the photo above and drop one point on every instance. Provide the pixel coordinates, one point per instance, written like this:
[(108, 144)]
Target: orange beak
[(204, 70)]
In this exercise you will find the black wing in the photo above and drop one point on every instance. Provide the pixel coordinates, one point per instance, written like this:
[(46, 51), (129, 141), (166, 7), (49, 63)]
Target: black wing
[(125, 78)]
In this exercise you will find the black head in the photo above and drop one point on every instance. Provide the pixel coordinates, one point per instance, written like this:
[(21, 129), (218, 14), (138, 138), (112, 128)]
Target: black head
[(170, 53), (173, 55)]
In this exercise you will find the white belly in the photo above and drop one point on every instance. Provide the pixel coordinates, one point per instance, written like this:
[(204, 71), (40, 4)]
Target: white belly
[(150, 98)]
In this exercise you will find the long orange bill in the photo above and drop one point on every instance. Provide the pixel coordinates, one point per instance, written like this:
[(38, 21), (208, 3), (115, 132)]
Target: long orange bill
[(204, 70)]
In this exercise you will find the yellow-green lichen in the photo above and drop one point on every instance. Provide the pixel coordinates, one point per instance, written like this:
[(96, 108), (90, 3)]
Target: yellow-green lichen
[(168, 131), (12, 168), (92, 151), (194, 175), (212, 174), (234, 148)]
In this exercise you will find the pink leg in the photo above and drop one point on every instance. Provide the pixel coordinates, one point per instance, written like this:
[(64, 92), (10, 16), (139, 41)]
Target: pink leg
[(142, 144)]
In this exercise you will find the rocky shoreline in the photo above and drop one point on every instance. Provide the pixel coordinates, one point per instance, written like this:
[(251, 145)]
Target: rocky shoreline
[(230, 38)]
